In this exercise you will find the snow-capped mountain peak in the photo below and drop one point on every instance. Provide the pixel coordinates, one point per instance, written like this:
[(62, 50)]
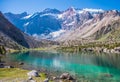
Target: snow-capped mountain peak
[(69, 12), (27, 17), (71, 9), (52, 22)]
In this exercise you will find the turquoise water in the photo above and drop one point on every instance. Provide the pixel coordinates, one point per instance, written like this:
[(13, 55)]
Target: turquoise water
[(87, 66)]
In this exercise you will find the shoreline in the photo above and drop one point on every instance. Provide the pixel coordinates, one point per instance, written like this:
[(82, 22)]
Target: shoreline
[(19, 74)]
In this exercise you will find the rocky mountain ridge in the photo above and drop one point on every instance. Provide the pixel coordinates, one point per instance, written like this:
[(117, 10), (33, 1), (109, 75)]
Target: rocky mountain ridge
[(51, 20), (93, 26), (71, 24)]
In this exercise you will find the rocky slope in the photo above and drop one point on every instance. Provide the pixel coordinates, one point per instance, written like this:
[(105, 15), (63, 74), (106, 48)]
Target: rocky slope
[(72, 25), (16, 19), (94, 28), (12, 37)]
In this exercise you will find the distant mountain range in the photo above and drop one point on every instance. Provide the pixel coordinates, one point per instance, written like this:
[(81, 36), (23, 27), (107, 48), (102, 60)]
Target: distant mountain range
[(40, 23), (71, 24)]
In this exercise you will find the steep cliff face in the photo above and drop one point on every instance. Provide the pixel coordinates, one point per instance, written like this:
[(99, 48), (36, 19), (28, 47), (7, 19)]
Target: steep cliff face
[(110, 32), (73, 18), (95, 28), (12, 37), (16, 19)]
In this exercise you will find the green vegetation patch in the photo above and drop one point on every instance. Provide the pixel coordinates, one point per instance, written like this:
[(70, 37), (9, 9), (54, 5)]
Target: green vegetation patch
[(11, 74)]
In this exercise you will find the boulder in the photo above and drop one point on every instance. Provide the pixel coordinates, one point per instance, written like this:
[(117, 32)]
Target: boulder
[(21, 63), (106, 50), (8, 67), (33, 73), (1, 65), (30, 78), (54, 78), (112, 51), (117, 49), (1, 55), (90, 49), (46, 80), (32, 81), (66, 76), (70, 77), (108, 75)]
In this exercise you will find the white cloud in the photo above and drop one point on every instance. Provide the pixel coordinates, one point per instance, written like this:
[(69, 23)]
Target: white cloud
[(57, 33), (70, 24), (81, 11), (60, 16), (93, 10)]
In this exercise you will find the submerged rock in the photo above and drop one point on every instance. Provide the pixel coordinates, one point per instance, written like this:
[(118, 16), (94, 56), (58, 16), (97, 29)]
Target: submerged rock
[(108, 75), (33, 73)]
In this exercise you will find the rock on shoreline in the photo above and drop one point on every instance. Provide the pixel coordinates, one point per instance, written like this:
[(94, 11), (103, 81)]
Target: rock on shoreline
[(33, 73)]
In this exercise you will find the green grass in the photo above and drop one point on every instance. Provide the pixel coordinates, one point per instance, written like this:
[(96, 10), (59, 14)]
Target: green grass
[(10, 74), (103, 38), (31, 49)]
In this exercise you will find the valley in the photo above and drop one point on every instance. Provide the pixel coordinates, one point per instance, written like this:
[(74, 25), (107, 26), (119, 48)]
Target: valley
[(70, 45)]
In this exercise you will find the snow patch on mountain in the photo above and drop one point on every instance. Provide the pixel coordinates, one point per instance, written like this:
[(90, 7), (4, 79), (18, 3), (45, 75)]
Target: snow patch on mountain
[(26, 24), (50, 36), (27, 17), (71, 23), (48, 14), (30, 16)]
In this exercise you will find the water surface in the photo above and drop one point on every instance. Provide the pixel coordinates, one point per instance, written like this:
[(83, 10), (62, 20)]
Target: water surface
[(84, 65)]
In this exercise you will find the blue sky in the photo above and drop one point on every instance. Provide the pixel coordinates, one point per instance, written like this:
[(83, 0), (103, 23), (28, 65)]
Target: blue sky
[(31, 6)]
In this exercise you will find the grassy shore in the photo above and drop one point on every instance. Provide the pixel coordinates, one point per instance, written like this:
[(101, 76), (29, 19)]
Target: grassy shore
[(17, 75), (33, 49)]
